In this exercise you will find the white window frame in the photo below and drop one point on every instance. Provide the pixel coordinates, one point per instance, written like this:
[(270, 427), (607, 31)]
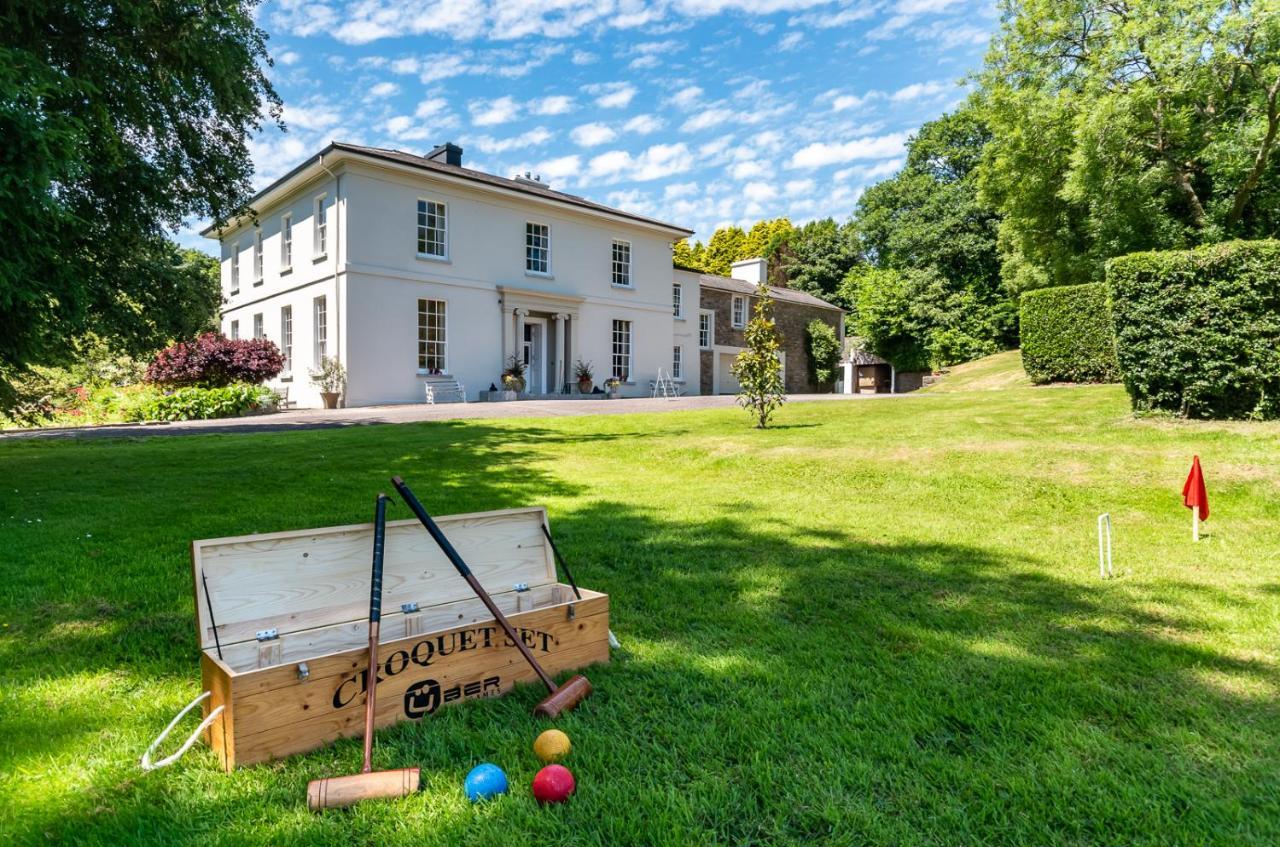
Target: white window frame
[(286, 242), (677, 362), (619, 269), (259, 326), (424, 344), (286, 340), (235, 267), (616, 335), (421, 228), (710, 318), (527, 247), (738, 322), (319, 329), (320, 228), (677, 300), (235, 330), (257, 255)]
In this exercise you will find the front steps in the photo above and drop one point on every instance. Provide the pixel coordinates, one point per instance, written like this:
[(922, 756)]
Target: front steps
[(442, 388)]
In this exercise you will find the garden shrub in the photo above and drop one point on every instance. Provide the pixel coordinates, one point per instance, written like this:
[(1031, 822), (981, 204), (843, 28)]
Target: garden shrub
[(824, 351), (1198, 331), (213, 360), (1067, 334), (199, 403)]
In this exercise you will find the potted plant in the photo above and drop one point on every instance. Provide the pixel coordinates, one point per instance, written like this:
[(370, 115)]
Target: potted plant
[(582, 370), (513, 378), (613, 384), (331, 379)]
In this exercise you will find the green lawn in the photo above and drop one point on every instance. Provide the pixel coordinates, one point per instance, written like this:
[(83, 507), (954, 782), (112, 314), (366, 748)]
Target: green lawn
[(876, 623)]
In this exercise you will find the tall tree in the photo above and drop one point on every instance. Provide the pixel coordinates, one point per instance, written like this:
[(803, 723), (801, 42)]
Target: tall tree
[(723, 249), (1123, 126), (817, 256), (120, 120)]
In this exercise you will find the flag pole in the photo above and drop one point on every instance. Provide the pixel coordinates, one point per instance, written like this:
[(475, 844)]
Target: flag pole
[(1195, 523)]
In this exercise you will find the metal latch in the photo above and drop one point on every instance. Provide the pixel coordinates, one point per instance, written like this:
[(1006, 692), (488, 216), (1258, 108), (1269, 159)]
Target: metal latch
[(303, 671), (408, 608), (267, 634), (521, 586), (572, 611)]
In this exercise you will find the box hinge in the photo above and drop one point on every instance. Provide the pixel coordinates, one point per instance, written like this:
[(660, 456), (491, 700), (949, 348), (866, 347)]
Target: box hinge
[(521, 587), (269, 647), (267, 634), (412, 619)]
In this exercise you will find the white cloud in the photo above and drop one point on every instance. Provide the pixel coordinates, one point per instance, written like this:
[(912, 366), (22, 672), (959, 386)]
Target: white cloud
[(559, 168), (748, 169), (493, 112), (759, 191), (557, 104), (706, 120), (288, 57), (642, 62), (432, 107), (583, 57), (612, 95), (533, 138), (791, 40), (679, 189), (686, 97), (799, 187), (316, 116), (871, 147), (920, 91), (643, 124), (384, 89), (590, 135), (656, 162)]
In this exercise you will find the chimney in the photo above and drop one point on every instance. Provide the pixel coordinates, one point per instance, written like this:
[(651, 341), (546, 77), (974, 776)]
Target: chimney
[(754, 271), (447, 154)]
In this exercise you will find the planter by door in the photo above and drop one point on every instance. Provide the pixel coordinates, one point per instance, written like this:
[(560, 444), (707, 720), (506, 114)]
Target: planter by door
[(584, 386), (330, 399)]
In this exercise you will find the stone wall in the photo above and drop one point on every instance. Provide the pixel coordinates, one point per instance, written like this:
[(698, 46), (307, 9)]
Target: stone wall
[(791, 318)]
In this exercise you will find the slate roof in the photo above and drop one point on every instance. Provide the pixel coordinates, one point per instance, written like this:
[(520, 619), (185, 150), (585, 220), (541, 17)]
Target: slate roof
[(788, 295)]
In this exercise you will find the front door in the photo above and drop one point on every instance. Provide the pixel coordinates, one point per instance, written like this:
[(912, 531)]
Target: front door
[(534, 355)]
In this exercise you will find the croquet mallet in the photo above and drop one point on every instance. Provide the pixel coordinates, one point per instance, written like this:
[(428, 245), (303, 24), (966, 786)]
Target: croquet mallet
[(561, 698), (339, 791)]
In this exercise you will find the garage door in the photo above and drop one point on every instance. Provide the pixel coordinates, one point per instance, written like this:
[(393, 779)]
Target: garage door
[(727, 383)]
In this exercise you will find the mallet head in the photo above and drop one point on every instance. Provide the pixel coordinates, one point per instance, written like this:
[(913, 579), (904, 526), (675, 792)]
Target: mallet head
[(564, 698), (340, 791)]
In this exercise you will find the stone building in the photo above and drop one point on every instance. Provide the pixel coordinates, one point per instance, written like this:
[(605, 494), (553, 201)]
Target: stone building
[(726, 305)]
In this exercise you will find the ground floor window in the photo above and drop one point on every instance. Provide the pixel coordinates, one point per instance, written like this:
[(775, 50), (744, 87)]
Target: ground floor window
[(677, 362), (321, 333), (286, 338), (235, 330), (622, 350), (259, 331), (431, 336)]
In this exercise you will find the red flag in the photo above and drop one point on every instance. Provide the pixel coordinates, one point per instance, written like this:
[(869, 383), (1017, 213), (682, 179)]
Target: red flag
[(1193, 494)]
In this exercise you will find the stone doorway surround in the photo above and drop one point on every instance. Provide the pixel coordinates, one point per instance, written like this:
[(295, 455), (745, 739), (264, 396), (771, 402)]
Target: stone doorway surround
[(561, 312)]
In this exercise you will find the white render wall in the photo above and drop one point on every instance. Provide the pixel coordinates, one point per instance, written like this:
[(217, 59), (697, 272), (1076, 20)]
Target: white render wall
[(373, 279)]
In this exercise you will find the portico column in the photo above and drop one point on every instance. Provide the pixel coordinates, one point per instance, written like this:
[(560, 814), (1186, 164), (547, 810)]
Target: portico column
[(561, 378), (519, 345), (506, 334), (574, 349)]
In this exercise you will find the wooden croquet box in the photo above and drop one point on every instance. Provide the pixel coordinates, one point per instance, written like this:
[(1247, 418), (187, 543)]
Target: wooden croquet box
[(291, 610)]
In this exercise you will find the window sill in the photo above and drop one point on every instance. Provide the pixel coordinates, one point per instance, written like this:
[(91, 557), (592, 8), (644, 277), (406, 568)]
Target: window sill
[(258, 284), (320, 257), (286, 377), (234, 292), (680, 317), (737, 326), (540, 274), (287, 270), (623, 287), (427, 257), (429, 373)]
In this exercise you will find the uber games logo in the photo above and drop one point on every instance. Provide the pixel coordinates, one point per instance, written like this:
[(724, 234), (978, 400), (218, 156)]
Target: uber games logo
[(423, 698)]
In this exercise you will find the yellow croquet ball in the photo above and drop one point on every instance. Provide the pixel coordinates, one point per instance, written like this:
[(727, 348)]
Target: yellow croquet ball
[(552, 746)]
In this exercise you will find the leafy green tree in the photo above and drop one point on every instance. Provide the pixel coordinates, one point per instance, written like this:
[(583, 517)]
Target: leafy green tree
[(688, 256), (1125, 126), (120, 121), (884, 315), (818, 255), (824, 351), (723, 249), (758, 368)]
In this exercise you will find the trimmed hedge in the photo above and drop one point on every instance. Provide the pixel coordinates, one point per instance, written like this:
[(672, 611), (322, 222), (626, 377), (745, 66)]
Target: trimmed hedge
[(1198, 331), (1067, 335)]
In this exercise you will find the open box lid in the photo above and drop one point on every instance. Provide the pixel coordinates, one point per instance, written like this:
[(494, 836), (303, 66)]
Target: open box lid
[(302, 579)]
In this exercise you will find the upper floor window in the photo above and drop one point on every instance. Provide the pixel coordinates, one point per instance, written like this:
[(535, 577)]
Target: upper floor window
[(432, 229), (259, 331), (235, 268), (677, 300), (286, 243), (431, 336), (257, 256), (706, 335), (537, 248), (320, 228), (739, 311), (622, 263)]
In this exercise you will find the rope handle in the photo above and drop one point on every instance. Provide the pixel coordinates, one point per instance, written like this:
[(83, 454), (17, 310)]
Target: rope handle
[(148, 765)]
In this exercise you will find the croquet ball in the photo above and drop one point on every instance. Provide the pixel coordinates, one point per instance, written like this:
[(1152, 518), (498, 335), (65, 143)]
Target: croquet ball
[(552, 746), (553, 784), (485, 781)]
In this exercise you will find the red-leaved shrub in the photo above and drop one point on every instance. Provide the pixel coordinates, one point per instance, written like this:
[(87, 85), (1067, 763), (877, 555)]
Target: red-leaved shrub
[(213, 360)]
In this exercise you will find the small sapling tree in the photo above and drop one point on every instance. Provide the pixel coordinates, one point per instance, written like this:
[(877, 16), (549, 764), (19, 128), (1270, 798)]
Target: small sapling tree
[(758, 368)]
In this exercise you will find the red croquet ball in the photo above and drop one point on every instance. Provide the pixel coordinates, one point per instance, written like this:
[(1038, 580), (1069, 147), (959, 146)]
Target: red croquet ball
[(553, 784)]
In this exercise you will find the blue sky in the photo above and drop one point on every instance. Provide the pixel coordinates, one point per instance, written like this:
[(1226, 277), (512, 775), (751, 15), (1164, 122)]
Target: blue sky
[(699, 112)]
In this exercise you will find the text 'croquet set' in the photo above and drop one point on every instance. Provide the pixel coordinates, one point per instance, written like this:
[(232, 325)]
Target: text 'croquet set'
[(283, 628)]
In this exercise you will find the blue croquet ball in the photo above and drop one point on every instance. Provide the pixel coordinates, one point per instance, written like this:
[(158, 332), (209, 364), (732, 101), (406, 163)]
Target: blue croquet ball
[(485, 781)]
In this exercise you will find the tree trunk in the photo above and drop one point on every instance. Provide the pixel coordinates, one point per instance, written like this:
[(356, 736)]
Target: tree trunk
[(1241, 201)]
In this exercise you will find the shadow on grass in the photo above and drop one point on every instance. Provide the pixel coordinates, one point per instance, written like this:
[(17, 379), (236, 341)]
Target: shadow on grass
[(780, 683)]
